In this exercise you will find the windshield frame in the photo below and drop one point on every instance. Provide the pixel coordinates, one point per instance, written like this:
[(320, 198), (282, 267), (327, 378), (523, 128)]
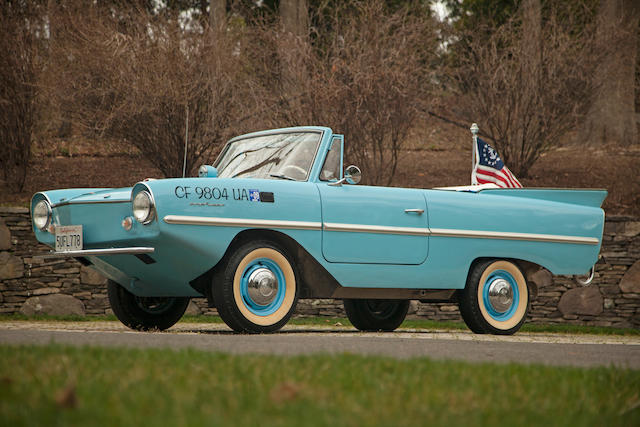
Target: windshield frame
[(319, 131)]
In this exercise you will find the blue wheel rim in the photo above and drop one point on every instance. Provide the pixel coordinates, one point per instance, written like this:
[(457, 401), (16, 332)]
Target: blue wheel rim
[(495, 275), (252, 306)]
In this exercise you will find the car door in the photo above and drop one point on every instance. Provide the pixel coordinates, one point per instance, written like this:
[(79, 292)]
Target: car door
[(373, 225)]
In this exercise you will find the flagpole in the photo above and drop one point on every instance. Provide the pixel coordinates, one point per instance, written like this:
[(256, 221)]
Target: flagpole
[(474, 131)]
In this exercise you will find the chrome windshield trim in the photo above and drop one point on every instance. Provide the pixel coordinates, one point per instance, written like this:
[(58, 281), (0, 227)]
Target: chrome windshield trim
[(500, 235), (270, 132), (377, 229), (241, 222), (99, 252)]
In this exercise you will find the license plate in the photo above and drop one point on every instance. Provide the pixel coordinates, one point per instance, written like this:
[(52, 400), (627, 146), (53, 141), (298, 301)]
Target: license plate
[(68, 238)]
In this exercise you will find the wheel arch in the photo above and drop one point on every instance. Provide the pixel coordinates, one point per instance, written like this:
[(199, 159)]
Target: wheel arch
[(528, 268), (315, 280)]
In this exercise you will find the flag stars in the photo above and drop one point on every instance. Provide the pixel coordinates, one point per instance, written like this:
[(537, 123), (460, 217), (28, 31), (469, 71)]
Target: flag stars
[(489, 168)]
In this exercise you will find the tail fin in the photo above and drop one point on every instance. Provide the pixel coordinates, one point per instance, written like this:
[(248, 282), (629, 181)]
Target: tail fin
[(585, 197)]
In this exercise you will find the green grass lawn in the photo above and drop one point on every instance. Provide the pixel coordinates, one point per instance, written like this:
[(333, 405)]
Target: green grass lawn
[(57, 385)]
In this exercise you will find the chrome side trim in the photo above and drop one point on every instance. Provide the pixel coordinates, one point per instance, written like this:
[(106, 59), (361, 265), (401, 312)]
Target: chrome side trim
[(474, 234), (378, 229), (235, 222), (99, 252), (89, 202)]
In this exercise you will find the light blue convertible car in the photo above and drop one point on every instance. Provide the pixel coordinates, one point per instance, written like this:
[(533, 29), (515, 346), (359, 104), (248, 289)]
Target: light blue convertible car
[(278, 218)]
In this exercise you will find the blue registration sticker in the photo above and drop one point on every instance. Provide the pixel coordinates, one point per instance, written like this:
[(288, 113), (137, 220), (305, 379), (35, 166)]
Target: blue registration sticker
[(254, 195)]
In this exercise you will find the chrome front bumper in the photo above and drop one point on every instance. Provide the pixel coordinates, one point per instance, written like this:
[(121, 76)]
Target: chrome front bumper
[(99, 252)]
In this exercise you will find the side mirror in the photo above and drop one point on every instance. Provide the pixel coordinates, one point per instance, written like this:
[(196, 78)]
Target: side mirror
[(207, 171), (352, 175)]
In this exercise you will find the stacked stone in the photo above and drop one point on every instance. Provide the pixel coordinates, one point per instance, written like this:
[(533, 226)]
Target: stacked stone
[(436, 311), (34, 285), (199, 306), (320, 307), (619, 271)]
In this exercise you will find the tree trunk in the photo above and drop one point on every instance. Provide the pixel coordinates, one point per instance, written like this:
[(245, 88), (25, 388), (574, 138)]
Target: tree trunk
[(531, 51), (295, 16), (64, 126), (612, 116), (532, 42), (217, 13), (293, 70)]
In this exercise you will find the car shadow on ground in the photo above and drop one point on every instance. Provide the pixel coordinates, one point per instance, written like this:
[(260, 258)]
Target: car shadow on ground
[(319, 331)]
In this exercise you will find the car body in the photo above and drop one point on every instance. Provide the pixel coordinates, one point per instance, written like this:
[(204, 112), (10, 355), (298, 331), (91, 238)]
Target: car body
[(375, 247)]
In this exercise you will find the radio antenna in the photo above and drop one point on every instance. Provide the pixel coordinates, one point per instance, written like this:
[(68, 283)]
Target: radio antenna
[(186, 139)]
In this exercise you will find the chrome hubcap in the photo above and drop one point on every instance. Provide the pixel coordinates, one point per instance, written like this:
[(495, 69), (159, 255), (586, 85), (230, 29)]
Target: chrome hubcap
[(262, 286), (500, 295)]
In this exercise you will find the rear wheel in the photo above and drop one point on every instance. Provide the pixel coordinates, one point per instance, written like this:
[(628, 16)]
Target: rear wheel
[(376, 314), (145, 313), (259, 290), (495, 299)]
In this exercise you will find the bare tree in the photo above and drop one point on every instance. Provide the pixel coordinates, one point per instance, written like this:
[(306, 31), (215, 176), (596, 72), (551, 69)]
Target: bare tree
[(612, 116), (528, 91), (140, 78), (21, 31)]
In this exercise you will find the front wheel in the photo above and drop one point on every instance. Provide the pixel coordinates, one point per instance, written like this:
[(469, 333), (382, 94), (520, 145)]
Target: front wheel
[(495, 299), (258, 290), (376, 315), (145, 313)]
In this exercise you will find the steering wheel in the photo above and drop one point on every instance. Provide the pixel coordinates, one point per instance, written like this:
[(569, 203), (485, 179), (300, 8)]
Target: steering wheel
[(297, 171)]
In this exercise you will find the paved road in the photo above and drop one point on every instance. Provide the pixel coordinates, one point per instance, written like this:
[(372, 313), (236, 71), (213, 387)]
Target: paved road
[(548, 349)]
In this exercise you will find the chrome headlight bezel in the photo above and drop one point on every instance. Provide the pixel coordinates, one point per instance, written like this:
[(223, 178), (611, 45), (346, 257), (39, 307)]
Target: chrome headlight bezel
[(41, 215), (143, 207)]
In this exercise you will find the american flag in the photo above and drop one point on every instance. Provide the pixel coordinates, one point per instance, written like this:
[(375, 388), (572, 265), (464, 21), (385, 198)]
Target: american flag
[(489, 168)]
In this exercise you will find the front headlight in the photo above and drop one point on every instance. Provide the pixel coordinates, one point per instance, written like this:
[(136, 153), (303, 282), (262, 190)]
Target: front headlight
[(42, 214), (143, 208)]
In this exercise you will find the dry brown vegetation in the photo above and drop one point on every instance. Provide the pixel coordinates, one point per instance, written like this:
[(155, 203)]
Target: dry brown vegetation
[(143, 80), (368, 81), (19, 63), (529, 83)]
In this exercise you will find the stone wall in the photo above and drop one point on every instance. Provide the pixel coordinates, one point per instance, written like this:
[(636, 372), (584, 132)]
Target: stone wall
[(32, 285)]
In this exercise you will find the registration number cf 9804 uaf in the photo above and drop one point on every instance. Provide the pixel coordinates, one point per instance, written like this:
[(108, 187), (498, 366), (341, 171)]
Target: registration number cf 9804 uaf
[(68, 238)]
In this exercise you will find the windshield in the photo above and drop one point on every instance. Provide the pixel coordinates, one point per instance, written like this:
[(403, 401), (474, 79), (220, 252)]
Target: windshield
[(278, 156)]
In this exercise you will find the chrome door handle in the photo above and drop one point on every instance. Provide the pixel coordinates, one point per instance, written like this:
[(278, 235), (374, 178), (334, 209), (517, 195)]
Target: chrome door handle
[(417, 211)]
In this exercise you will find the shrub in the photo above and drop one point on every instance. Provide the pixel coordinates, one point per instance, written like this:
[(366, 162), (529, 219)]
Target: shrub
[(528, 81), (139, 77), (20, 26)]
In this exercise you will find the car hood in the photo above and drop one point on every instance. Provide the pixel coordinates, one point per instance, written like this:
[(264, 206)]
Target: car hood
[(86, 195)]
